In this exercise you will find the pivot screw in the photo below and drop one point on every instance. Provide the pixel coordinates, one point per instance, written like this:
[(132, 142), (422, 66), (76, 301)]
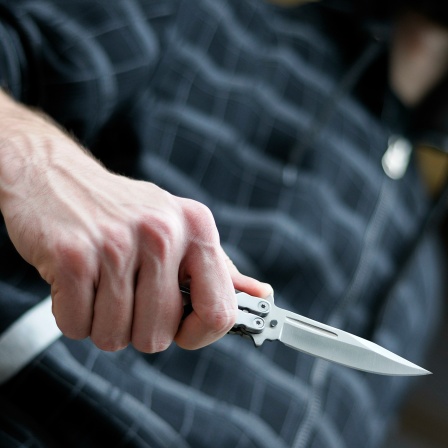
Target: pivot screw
[(258, 323), (263, 306)]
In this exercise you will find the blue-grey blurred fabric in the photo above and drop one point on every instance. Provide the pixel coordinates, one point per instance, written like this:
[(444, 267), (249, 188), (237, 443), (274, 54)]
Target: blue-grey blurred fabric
[(242, 106)]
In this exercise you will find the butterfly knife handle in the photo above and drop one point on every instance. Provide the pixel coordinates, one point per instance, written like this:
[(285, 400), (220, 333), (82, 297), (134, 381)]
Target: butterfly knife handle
[(251, 312)]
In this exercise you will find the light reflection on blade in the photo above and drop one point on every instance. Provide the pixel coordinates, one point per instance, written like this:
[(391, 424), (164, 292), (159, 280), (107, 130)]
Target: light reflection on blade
[(335, 345)]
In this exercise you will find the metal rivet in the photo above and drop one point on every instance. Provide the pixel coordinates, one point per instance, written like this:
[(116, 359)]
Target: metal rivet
[(263, 306), (273, 323)]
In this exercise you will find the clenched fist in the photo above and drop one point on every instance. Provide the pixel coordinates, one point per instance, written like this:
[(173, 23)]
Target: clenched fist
[(113, 249)]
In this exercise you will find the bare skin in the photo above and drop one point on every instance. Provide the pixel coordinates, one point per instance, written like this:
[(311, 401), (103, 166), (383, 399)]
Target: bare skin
[(419, 57), (113, 249), (419, 54)]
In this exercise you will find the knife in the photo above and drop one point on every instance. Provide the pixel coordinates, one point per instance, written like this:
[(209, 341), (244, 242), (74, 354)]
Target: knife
[(261, 320)]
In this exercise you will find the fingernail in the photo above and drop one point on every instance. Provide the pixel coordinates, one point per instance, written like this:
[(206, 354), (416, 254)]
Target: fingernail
[(269, 289)]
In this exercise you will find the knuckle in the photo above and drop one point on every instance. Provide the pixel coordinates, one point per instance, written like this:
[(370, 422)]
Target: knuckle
[(200, 212), (73, 329), (75, 334), (70, 253), (74, 258), (200, 221), (151, 345), (117, 243), (75, 323), (109, 343), (221, 321), (160, 234)]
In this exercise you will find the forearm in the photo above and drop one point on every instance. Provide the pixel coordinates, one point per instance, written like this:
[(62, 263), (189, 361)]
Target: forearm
[(20, 148), (39, 166), (33, 149)]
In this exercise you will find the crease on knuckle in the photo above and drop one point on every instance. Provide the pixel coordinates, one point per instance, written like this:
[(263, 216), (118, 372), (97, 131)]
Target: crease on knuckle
[(109, 343), (220, 321), (151, 345)]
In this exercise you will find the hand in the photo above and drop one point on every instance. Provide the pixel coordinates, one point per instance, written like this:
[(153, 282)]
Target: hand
[(113, 249)]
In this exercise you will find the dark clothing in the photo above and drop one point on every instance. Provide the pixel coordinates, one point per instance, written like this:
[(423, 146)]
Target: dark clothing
[(251, 111)]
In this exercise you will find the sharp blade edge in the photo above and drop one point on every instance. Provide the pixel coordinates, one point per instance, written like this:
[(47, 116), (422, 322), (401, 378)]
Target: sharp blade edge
[(344, 348)]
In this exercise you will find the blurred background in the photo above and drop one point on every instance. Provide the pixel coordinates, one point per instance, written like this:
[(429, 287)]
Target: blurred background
[(423, 422)]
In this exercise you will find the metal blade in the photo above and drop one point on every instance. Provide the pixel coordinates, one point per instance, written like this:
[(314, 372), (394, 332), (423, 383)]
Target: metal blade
[(335, 345)]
